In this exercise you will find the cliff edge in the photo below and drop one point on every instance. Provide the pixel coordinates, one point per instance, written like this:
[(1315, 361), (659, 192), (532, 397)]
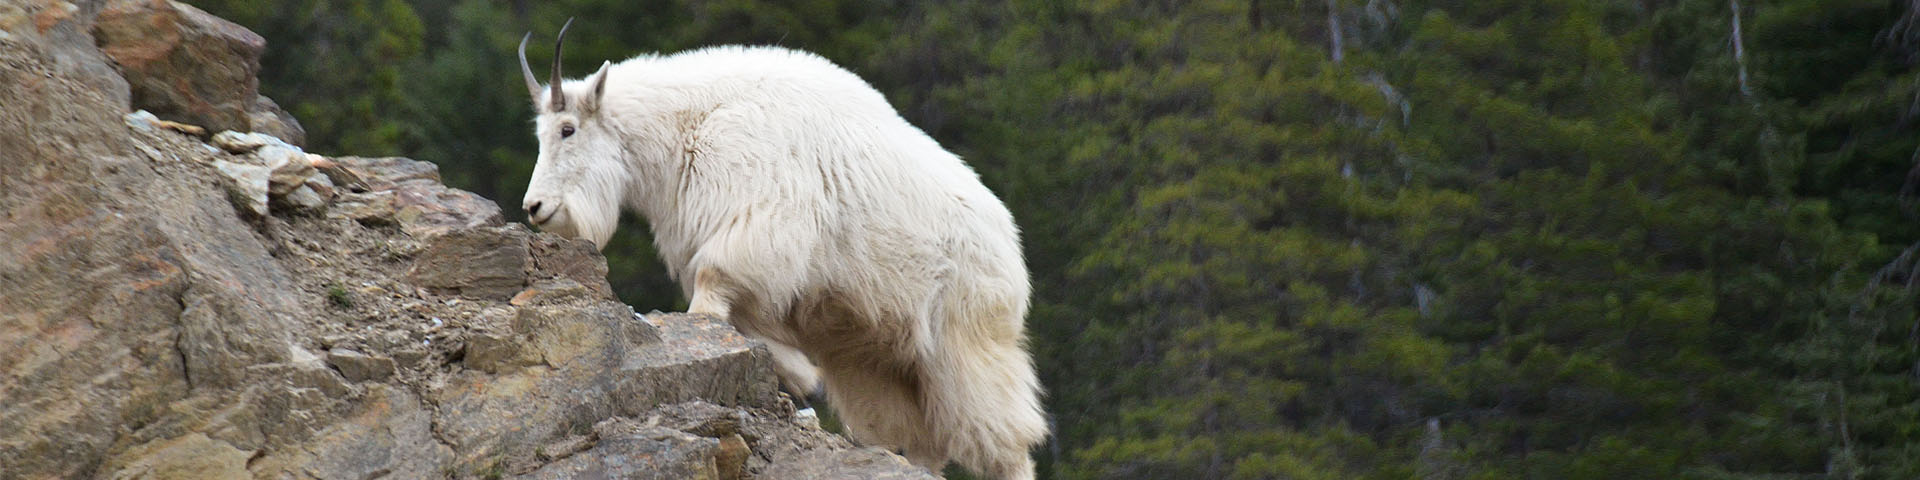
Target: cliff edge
[(180, 298)]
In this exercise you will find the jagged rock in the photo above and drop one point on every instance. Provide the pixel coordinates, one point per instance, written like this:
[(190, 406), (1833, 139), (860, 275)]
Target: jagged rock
[(308, 194), (386, 172), (481, 263), (63, 32), (360, 367), (807, 417), (190, 456), (303, 199), (182, 63), (128, 289), (312, 195), (241, 142), (290, 167), (867, 463), (292, 181), (145, 121), (322, 185), (391, 437), (600, 363), (369, 208), (427, 210), (340, 175), (246, 185), (781, 449), (142, 120), (731, 459), (571, 259), (551, 291), (267, 117), (637, 453), (148, 331), (493, 353), (421, 206)]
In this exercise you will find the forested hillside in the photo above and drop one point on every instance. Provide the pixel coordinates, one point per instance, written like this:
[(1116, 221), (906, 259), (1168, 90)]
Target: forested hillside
[(1584, 239)]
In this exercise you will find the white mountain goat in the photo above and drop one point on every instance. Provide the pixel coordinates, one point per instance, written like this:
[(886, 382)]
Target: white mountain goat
[(787, 196)]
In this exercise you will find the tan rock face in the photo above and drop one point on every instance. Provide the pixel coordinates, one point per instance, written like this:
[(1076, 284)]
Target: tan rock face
[(155, 325), (480, 263), (190, 456), (121, 292), (183, 64), (638, 453)]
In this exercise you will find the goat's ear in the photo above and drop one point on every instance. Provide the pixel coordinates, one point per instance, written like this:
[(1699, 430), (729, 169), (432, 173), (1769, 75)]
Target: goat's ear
[(598, 88)]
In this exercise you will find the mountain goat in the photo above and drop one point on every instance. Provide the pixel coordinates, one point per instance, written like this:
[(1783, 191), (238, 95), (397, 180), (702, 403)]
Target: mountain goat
[(787, 196)]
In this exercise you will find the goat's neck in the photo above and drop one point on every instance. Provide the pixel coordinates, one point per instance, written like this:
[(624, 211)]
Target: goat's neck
[(659, 190)]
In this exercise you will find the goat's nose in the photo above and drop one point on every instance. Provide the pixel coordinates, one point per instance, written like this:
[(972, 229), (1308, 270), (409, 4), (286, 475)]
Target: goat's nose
[(533, 210)]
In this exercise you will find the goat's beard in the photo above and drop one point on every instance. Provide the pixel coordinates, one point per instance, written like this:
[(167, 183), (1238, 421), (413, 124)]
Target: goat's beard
[(589, 218), (591, 212)]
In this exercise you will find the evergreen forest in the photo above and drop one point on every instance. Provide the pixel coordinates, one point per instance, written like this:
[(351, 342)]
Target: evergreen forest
[(1319, 239)]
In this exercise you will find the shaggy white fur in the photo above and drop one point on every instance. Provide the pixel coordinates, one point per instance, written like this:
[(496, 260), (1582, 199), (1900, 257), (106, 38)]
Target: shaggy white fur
[(787, 195)]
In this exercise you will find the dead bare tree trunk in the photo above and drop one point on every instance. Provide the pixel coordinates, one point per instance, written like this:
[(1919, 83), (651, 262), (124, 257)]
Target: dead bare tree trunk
[(1333, 31), (1253, 15), (1740, 50)]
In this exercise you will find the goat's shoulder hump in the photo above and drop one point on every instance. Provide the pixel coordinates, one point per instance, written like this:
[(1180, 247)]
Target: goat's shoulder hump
[(757, 60)]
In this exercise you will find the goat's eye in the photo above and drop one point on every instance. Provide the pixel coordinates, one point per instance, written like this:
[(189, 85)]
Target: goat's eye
[(566, 131)]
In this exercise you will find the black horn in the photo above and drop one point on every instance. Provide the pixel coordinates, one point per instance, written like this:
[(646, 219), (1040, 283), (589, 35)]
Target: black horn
[(533, 86), (559, 101)]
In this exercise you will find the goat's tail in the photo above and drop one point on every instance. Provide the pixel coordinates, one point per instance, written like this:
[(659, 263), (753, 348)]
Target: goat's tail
[(981, 395)]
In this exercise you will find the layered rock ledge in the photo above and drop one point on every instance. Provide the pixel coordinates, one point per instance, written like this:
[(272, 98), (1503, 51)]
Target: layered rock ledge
[(179, 302)]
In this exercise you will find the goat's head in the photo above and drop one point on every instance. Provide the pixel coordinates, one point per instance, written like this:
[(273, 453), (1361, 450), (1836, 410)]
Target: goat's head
[(578, 182)]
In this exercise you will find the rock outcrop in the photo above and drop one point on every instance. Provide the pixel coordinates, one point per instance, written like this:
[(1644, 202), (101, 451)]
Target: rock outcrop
[(188, 66), (181, 305)]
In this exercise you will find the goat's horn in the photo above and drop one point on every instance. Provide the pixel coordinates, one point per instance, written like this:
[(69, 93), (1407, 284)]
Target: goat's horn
[(559, 101), (533, 86)]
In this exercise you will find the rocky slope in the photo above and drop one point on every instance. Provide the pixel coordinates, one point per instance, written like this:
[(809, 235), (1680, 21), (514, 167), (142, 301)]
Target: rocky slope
[(175, 304)]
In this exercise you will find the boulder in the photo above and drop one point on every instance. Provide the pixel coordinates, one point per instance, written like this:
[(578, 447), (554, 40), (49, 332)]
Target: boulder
[(359, 367), (267, 117), (246, 185), (482, 263), (391, 438), (551, 291), (596, 362), (290, 166), (241, 142), (190, 456), (637, 452), (409, 195), (867, 463), (183, 64), (63, 34), (573, 260), (130, 288)]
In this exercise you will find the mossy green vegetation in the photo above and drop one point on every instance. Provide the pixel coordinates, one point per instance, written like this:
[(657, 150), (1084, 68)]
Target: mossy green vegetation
[(337, 295)]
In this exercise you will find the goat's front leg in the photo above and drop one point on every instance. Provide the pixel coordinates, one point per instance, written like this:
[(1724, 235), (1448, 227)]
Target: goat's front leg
[(714, 293)]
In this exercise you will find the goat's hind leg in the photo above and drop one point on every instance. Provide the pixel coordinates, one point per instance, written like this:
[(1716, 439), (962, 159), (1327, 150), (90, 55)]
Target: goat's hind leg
[(798, 376), (879, 406), (984, 405)]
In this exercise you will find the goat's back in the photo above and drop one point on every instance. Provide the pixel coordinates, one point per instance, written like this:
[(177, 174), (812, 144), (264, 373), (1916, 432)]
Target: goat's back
[(879, 187)]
